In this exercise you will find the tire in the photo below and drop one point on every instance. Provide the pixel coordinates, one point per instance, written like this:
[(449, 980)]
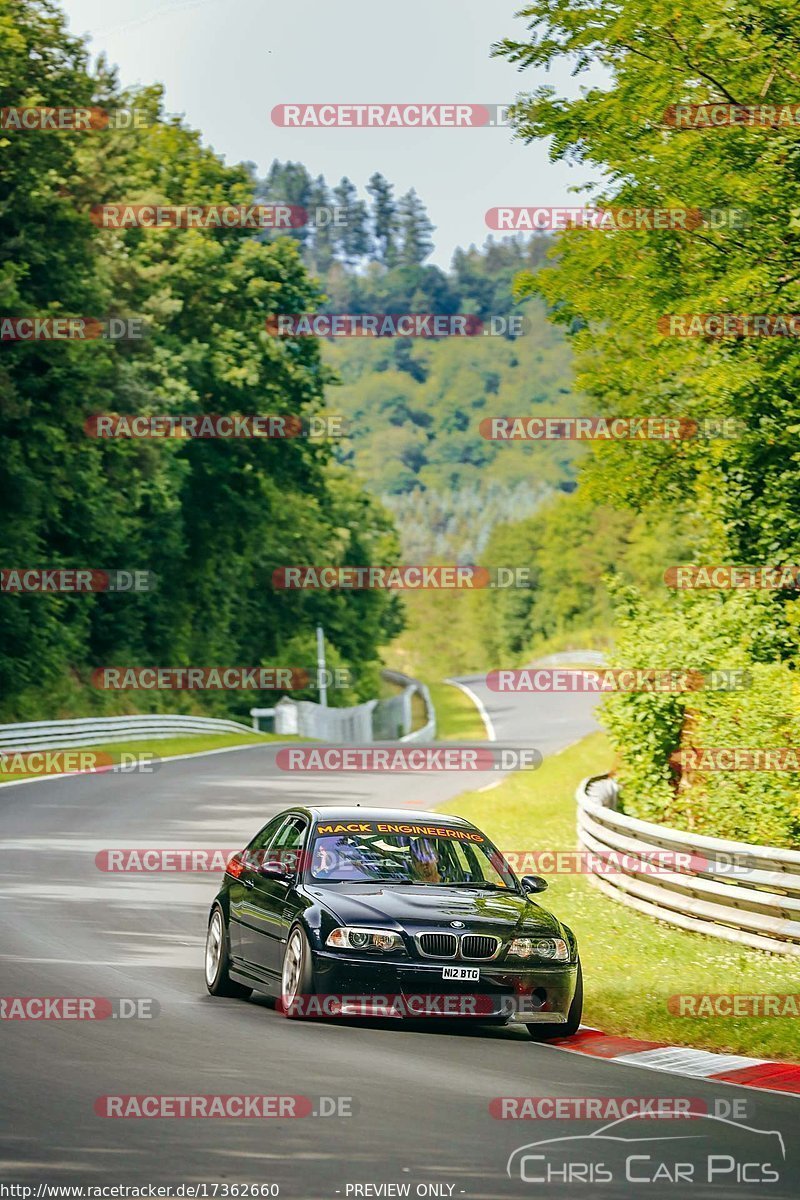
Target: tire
[(217, 960), (297, 974), (542, 1033)]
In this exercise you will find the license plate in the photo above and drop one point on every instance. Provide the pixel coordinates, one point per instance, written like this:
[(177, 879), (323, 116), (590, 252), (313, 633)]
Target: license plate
[(472, 973)]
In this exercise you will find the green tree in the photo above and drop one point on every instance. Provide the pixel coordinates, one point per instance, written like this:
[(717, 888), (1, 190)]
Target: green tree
[(415, 230), (289, 183), (321, 207), (352, 239), (212, 519), (384, 219)]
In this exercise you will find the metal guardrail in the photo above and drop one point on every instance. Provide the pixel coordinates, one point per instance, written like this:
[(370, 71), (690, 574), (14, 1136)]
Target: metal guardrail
[(427, 732), (732, 890), (93, 731)]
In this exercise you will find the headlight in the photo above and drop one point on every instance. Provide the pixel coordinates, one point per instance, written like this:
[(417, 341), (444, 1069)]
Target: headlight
[(552, 949), (348, 937)]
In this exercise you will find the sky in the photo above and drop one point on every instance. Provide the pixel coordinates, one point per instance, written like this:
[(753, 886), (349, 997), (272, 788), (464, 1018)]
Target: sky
[(224, 68)]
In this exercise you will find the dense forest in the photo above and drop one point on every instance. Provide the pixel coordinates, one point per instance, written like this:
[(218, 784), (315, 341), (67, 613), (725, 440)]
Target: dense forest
[(413, 412), (413, 406), (211, 519)]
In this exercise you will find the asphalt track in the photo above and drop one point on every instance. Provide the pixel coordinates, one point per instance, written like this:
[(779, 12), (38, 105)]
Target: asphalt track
[(420, 1095)]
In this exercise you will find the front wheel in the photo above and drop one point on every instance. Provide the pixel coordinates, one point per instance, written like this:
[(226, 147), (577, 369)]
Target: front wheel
[(218, 981), (544, 1032), (297, 976)]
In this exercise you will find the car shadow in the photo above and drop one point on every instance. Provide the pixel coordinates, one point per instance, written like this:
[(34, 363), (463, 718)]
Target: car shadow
[(437, 1026)]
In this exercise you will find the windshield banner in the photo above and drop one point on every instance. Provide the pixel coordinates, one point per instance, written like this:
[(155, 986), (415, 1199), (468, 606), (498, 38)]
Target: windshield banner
[(445, 831)]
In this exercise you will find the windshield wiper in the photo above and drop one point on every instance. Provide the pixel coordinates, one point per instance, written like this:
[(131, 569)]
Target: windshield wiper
[(491, 887), (472, 883), (367, 879)]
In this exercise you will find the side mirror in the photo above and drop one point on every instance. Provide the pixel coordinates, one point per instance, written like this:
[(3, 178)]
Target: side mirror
[(273, 869), (279, 864), (533, 884)]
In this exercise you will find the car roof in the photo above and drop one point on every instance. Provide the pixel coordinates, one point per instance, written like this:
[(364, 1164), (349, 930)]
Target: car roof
[(360, 812)]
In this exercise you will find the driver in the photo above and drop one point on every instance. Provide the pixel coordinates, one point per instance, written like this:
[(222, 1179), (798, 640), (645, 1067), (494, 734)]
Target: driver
[(424, 861)]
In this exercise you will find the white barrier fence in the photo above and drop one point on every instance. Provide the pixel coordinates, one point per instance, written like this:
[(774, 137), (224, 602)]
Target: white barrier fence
[(94, 731), (732, 890), (307, 719), (377, 720)]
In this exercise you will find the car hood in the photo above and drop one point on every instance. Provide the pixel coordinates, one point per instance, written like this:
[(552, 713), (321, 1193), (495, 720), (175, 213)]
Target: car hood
[(423, 907)]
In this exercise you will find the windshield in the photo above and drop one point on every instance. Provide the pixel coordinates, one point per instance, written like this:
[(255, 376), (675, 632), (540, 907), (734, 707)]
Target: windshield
[(378, 852)]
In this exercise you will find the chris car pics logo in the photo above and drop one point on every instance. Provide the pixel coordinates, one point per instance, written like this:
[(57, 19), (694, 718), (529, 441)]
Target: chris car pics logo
[(715, 1150)]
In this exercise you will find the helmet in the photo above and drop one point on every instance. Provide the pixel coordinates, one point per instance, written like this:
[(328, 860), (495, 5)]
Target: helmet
[(424, 851)]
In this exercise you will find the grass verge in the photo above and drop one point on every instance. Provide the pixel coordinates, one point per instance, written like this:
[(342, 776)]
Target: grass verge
[(162, 748), (632, 964), (456, 715)]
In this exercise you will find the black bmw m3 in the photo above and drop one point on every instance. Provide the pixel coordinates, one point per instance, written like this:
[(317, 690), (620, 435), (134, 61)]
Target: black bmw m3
[(350, 911)]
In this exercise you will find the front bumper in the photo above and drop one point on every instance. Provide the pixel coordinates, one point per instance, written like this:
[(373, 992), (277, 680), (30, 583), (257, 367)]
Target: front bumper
[(405, 988)]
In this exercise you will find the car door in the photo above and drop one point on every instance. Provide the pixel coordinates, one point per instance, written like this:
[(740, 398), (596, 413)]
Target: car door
[(240, 891), (274, 899)]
